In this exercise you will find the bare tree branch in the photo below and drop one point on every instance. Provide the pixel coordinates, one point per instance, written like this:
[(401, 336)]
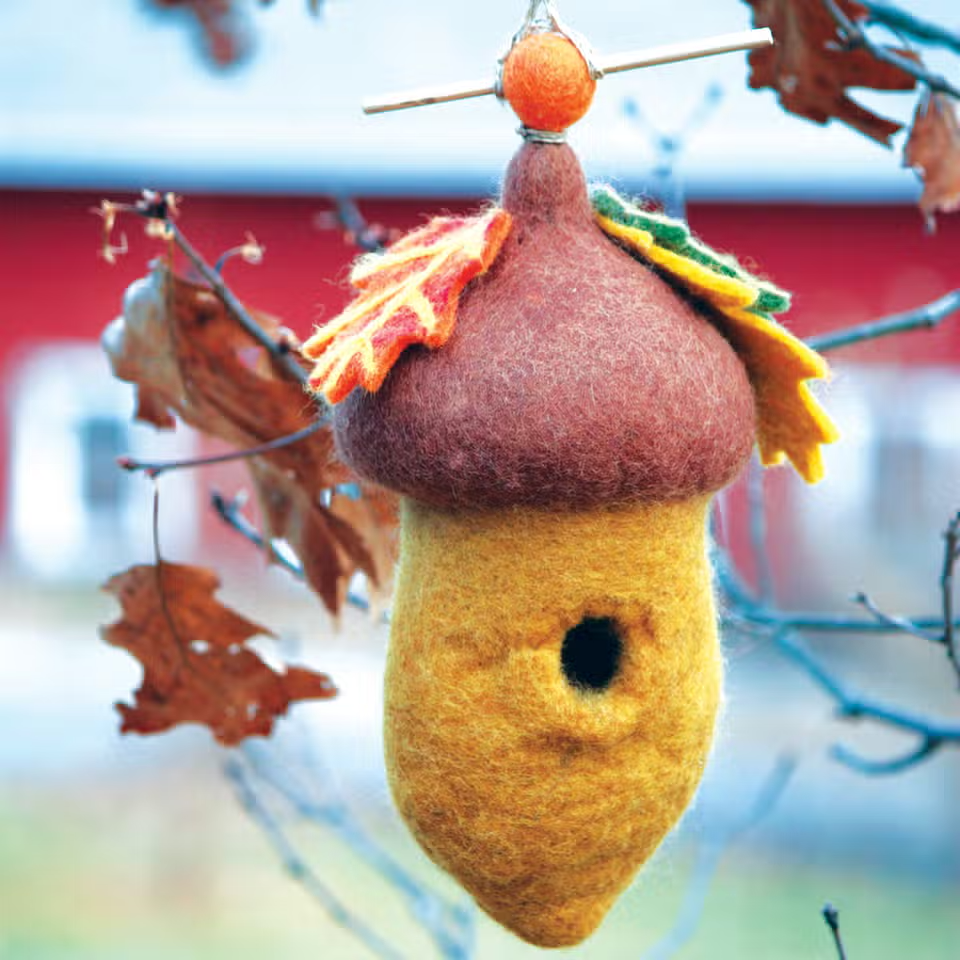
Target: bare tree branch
[(831, 917), (712, 847), (912, 26), (897, 624), (157, 468), (160, 209), (299, 869), (231, 513), (856, 38), (951, 551), (449, 924), (927, 317), (854, 706), (346, 216)]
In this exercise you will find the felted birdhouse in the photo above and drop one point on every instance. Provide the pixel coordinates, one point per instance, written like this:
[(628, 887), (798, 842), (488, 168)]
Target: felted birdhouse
[(557, 387)]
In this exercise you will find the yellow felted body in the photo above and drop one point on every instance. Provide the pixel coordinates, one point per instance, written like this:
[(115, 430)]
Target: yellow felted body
[(543, 798)]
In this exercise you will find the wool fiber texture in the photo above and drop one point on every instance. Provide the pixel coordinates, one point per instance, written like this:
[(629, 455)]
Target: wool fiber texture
[(790, 422), (407, 295), (575, 375), (544, 797), (547, 82)]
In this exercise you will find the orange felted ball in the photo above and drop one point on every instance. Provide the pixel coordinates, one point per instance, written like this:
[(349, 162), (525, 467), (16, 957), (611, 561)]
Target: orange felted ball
[(547, 82)]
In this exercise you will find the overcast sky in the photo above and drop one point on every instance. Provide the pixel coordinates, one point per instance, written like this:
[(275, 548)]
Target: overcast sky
[(105, 92)]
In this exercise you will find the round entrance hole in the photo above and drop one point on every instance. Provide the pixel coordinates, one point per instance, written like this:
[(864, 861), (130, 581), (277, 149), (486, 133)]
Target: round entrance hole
[(591, 653)]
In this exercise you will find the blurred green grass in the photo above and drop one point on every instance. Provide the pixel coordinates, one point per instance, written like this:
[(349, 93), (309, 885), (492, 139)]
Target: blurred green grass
[(163, 864)]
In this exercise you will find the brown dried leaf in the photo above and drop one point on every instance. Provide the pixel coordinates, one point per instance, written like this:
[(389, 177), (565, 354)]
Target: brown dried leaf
[(811, 72), (225, 34), (188, 356), (374, 515), (197, 667), (933, 150), (328, 548)]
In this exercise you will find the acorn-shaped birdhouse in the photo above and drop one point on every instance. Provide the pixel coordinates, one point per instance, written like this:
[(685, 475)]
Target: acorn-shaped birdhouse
[(556, 386)]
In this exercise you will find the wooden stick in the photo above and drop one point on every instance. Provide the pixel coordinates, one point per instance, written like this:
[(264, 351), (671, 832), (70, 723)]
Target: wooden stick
[(632, 60)]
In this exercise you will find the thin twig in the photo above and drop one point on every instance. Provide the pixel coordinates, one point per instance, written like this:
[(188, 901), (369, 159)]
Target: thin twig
[(279, 350), (371, 238), (885, 767), (299, 869), (924, 31), (895, 623), (160, 209), (927, 317), (158, 468), (250, 251), (758, 532), (231, 513), (951, 551), (709, 855), (856, 38), (737, 616), (831, 917), (449, 924), (851, 705)]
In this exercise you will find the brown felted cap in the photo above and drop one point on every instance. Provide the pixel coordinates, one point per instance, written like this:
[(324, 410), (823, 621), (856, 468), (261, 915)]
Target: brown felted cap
[(575, 375)]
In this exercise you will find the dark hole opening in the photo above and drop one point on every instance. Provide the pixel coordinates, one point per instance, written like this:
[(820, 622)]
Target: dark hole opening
[(591, 651)]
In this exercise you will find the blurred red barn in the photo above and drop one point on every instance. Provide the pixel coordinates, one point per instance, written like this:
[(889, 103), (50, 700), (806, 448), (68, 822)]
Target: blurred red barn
[(845, 264)]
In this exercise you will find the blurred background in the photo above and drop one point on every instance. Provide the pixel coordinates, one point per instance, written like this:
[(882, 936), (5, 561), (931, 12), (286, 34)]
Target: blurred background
[(131, 848)]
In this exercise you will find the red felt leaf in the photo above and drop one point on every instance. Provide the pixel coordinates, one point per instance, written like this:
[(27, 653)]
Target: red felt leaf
[(197, 666), (408, 295)]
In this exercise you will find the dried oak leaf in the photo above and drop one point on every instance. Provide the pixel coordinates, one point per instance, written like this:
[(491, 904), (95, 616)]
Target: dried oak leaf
[(408, 295), (933, 150), (330, 541), (188, 356), (225, 34), (197, 667), (811, 71)]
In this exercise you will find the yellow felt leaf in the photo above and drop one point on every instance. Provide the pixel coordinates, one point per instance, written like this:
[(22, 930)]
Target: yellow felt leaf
[(713, 286), (790, 421), (407, 295)]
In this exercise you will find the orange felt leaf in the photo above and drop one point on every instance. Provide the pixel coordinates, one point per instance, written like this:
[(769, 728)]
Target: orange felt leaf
[(933, 150), (408, 295), (189, 357), (812, 73), (197, 667)]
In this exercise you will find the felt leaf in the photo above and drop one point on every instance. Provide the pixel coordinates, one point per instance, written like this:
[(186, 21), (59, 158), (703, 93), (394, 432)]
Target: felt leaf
[(408, 295), (933, 150), (810, 70), (790, 422), (188, 356), (197, 666)]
